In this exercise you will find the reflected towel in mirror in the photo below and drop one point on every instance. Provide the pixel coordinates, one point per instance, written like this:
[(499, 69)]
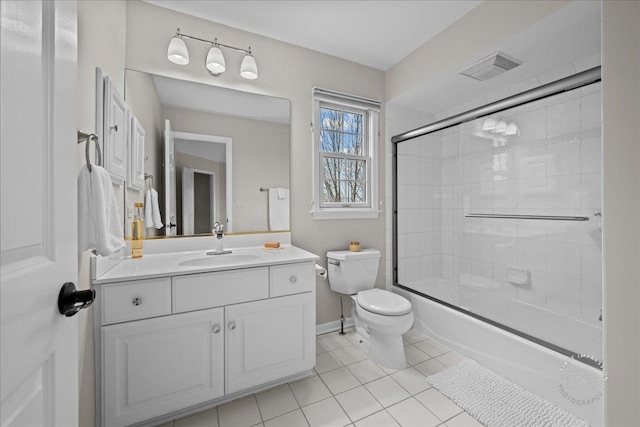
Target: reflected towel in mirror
[(152, 217), (278, 209)]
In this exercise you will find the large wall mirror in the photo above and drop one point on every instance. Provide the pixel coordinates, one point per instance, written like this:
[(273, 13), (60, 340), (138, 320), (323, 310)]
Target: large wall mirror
[(216, 154)]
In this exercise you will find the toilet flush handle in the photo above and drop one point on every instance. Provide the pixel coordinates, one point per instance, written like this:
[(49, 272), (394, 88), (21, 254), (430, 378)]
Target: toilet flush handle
[(334, 262)]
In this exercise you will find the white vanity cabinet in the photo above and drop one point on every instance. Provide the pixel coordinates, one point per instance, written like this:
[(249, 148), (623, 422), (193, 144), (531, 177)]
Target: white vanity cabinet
[(268, 339), (171, 343), (159, 365)]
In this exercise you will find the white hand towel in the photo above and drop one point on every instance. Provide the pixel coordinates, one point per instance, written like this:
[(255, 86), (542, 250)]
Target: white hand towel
[(282, 193), (99, 224), (278, 209), (148, 214), (152, 217), (155, 209)]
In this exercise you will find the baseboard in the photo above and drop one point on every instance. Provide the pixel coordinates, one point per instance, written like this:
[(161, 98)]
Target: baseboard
[(333, 326)]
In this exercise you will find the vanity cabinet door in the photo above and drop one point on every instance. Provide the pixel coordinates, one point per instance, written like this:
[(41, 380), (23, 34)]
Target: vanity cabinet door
[(269, 340), (156, 366)]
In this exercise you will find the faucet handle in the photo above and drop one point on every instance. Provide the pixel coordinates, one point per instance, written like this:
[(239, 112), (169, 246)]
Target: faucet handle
[(217, 228)]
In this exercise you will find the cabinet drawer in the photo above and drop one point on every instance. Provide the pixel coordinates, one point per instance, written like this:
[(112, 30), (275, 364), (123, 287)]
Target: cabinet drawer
[(292, 279), (136, 300), (199, 291)]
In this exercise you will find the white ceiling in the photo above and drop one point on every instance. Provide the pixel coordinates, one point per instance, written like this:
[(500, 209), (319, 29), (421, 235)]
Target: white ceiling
[(557, 46), (379, 33)]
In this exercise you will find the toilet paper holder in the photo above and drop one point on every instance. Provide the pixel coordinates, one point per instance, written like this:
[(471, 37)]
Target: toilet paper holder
[(321, 271)]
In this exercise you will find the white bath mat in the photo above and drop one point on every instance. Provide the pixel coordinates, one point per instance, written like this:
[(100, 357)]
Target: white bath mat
[(496, 402)]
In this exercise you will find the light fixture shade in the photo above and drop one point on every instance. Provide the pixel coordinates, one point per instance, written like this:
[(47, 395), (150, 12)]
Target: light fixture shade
[(215, 61), (177, 52), (249, 68)]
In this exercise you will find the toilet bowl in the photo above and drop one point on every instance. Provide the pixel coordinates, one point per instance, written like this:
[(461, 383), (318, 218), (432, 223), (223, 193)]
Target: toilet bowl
[(380, 316)]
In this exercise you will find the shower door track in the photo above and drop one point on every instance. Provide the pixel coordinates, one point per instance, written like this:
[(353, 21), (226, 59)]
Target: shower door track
[(547, 344), (575, 81)]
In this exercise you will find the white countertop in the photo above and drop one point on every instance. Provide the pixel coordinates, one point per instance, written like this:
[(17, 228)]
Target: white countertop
[(168, 264)]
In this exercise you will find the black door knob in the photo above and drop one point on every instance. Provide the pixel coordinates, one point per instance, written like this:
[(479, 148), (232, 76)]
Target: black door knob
[(71, 300)]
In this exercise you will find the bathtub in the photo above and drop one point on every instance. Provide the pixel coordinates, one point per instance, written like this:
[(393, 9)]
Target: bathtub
[(532, 366)]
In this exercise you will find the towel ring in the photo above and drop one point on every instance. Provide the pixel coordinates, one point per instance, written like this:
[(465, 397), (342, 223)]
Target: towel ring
[(88, 137)]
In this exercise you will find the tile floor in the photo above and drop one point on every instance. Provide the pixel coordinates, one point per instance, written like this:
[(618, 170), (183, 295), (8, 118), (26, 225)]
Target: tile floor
[(349, 390)]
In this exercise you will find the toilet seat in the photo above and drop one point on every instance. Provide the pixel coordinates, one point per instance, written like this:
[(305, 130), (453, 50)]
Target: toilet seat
[(379, 301)]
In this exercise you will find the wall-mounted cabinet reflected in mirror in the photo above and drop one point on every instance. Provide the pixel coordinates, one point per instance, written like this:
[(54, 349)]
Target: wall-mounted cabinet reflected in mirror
[(211, 151)]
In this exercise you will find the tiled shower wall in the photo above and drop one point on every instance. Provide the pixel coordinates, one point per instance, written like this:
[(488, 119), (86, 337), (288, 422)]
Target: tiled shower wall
[(552, 167)]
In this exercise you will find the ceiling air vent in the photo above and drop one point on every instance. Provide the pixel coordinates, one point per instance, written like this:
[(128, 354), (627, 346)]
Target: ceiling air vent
[(490, 66)]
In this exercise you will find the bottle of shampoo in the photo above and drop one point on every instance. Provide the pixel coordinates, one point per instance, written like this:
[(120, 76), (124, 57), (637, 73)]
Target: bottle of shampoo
[(137, 227)]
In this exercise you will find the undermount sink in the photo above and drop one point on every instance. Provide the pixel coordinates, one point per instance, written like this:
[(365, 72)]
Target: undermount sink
[(218, 260)]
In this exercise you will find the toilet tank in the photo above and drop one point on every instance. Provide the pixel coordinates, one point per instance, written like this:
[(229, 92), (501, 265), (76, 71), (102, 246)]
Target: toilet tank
[(357, 271)]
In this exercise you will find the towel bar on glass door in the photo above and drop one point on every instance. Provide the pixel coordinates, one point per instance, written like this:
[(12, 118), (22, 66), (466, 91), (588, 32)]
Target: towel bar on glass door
[(88, 137), (544, 217)]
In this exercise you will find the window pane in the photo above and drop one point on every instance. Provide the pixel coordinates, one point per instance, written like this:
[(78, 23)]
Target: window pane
[(352, 144), (356, 192), (344, 180), (352, 123), (333, 168), (355, 169), (330, 119), (335, 191), (330, 142), (341, 132)]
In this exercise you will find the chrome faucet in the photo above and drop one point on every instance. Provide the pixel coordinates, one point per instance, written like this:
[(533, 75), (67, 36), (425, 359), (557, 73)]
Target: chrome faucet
[(219, 232)]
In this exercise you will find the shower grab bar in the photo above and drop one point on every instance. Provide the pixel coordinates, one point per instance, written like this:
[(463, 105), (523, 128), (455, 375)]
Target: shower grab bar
[(544, 217)]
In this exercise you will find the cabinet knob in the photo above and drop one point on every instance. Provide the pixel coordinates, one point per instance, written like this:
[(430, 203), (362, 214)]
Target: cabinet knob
[(293, 279), (216, 329), (232, 326), (137, 301), (115, 128)]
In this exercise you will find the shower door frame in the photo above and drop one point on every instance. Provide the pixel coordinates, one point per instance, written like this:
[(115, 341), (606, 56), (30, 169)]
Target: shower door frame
[(574, 81)]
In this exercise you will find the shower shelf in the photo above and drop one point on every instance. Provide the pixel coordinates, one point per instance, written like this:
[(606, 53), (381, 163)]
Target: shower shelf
[(543, 217)]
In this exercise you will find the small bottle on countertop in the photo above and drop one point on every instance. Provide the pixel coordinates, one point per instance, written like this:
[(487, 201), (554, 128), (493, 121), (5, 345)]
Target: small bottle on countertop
[(137, 227)]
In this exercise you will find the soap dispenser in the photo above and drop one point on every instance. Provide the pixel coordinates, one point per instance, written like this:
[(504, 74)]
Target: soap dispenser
[(137, 228)]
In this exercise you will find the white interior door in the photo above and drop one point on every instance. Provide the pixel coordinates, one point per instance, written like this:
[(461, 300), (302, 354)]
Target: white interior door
[(38, 231), (169, 180), (188, 208)]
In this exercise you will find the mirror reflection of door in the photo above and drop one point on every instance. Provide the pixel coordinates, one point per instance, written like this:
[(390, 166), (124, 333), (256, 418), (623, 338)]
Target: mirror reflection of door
[(202, 189), (169, 180), (199, 210)]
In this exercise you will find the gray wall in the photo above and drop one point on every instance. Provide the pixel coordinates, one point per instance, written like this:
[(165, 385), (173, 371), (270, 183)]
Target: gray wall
[(621, 209)]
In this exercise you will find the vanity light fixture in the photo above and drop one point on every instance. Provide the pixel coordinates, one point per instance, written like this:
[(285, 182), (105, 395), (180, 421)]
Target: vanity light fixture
[(214, 63)]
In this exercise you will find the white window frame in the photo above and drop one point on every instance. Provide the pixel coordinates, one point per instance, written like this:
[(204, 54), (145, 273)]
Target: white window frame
[(370, 109)]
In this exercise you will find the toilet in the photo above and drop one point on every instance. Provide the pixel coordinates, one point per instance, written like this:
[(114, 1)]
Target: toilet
[(380, 317)]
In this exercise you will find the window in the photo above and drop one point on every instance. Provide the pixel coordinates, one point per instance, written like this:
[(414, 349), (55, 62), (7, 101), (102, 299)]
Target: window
[(345, 135)]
